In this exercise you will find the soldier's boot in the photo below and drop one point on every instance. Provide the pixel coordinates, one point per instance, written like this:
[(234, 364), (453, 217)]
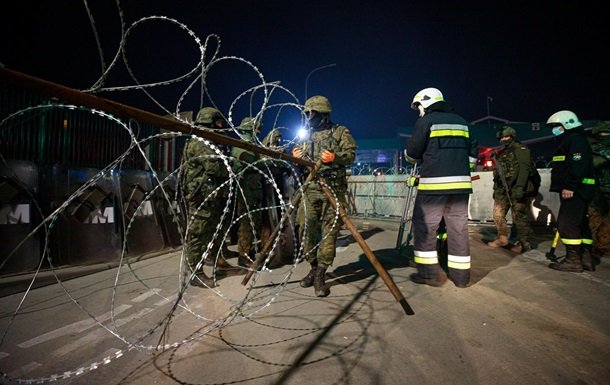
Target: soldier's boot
[(244, 260), (202, 280), (587, 259), (521, 247), (319, 283), (308, 280), (572, 262), (226, 253), (220, 262), (501, 241)]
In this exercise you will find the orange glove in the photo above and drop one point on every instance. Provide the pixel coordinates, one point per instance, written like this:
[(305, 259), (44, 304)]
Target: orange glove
[(297, 152), (328, 156)]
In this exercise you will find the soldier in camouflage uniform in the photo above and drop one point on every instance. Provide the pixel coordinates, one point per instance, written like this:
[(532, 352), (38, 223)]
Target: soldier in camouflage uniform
[(513, 163), (202, 172), (250, 196), (599, 210), (335, 147)]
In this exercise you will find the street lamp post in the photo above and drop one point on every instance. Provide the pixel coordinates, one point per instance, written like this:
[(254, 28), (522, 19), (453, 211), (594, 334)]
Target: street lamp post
[(314, 70), (489, 100)]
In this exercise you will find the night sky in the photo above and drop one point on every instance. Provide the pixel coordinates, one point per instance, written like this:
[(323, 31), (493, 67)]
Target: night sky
[(531, 62)]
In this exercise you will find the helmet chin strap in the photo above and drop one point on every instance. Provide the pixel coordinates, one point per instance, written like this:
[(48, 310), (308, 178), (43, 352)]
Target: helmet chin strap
[(422, 110)]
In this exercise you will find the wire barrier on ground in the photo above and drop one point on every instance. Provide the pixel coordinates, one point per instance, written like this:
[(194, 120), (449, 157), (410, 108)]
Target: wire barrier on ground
[(134, 201)]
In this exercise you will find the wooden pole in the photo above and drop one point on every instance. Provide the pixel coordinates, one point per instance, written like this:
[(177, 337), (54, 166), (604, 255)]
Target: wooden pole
[(78, 97), (262, 254), (369, 253)]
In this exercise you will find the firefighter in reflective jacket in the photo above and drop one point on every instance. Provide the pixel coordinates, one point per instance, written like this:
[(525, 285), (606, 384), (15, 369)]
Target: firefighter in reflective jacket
[(442, 145), (572, 176)]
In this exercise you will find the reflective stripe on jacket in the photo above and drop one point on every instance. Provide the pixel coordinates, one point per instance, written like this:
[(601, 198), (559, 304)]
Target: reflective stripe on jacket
[(442, 145)]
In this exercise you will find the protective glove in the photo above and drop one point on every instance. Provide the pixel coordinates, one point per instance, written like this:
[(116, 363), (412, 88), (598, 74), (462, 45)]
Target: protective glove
[(328, 156), (517, 192), (297, 152), (412, 181)]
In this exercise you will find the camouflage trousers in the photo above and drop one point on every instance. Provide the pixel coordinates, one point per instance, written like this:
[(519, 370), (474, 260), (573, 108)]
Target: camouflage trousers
[(319, 222), (600, 230), (520, 216), (249, 205), (204, 226)]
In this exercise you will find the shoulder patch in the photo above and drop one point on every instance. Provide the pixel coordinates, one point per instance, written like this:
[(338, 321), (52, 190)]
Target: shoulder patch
[(577, 156)]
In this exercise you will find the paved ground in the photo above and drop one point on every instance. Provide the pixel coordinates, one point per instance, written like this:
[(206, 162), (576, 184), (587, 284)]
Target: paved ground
[(519, 323)]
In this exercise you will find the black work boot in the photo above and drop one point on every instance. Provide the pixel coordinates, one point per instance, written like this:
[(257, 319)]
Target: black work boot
[(318, 283), (572, 262), (587, 260), (420, 279)]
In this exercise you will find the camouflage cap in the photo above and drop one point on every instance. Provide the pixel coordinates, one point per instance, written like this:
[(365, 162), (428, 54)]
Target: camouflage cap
[(602, 126), (207, 115)]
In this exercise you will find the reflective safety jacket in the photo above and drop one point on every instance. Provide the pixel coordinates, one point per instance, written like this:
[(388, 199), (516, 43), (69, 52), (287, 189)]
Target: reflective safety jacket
[(442, 146), (572, 165)]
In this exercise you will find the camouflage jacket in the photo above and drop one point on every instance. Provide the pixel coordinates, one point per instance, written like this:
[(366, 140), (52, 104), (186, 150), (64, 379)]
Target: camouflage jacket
[(601, 164), (514, 163), (245, 157), (339, 140), (201, 168)]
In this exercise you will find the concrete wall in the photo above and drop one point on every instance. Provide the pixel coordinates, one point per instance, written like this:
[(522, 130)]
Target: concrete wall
[(385, 196)]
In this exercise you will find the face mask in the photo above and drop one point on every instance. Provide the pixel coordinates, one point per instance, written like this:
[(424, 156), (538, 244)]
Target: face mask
[(558, 130), (315, 121), (506, 141)]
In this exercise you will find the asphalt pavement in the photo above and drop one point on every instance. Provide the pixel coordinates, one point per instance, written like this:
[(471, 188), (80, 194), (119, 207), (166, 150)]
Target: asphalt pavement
[(518, 323)]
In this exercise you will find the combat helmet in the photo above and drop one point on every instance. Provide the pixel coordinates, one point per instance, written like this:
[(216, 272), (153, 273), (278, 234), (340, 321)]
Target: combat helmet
[(318, 103), (272, 137), (250, 123), (207, 115), (506, 131), (601, 127)]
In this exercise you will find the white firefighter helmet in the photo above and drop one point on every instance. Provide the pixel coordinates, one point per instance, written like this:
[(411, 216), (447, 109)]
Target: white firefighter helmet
[(564, 118), (426, 98)]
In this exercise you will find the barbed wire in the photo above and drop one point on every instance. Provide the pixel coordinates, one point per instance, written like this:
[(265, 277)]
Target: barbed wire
[(252, 300)]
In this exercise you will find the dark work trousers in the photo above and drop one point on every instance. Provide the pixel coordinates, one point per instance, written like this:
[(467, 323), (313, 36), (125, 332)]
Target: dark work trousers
[(572, 222), (428, 211)]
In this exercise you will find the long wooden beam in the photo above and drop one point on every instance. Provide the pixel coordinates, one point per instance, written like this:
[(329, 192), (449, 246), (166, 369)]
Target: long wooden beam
[(75, 96), (80, 98)]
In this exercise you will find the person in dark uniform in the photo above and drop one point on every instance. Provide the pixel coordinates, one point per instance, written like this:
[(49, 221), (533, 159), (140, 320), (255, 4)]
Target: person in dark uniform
[(573, 177), (442, 145)]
